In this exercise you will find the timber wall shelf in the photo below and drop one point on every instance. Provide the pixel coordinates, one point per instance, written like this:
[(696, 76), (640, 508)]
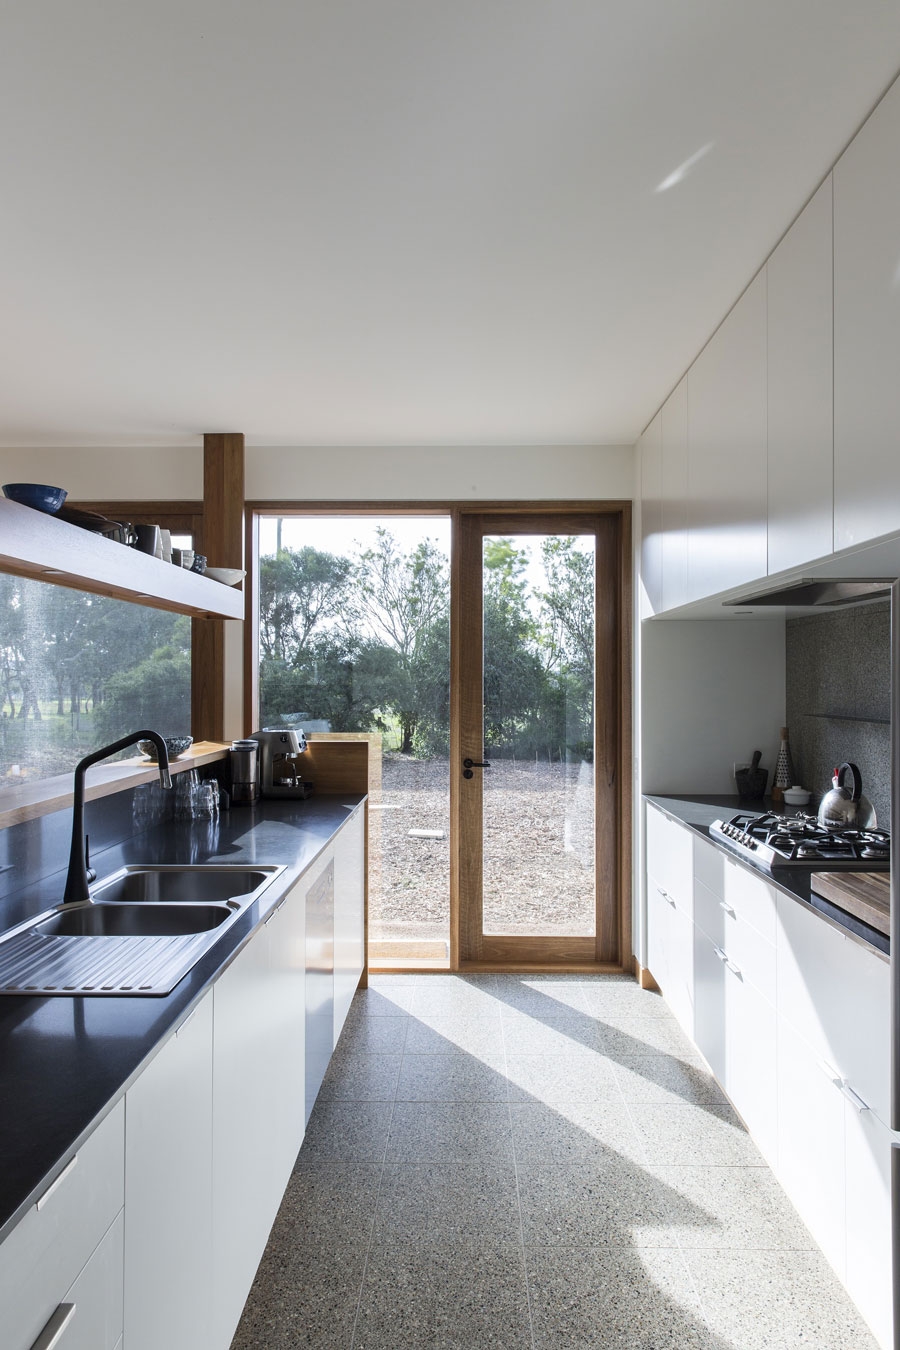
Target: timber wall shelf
[(39, 546)]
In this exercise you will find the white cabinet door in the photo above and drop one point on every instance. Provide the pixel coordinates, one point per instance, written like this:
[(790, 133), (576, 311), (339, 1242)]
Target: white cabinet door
[(168, 1192), (727, 542), (245, 1065), (674, 438), (801, 422), (751, 1078), (670, 858), (287, 1006), (836, 993), (349, 914), (96, 1297), (810, 1162), (710, 1005), (867, 330), (649, 450), (868, 1176), (50, 1245), (659, 905)]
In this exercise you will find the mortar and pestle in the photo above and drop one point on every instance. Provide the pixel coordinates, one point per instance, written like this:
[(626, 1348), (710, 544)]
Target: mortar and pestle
[(751, 783)]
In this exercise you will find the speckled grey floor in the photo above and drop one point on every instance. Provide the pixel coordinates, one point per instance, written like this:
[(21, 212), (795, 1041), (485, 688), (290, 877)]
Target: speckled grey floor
[(534, 1164)]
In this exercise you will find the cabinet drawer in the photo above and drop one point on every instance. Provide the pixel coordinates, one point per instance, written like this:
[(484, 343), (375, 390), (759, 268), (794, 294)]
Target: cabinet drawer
[(670, 857), (748, 894), (44, 1254), (745, 947), (868, 1200), (837, 996), (96, 1297)]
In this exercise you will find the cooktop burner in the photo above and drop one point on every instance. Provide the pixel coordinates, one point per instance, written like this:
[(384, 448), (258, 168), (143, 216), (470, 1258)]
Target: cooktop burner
[(772, 841)]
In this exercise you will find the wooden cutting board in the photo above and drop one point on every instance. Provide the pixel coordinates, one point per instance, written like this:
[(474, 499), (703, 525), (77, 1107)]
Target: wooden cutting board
[(867, 895)]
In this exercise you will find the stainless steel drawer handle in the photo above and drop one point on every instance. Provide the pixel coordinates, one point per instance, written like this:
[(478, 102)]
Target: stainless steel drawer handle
[(729, 909), (666, 896), (55, 1185), (727, 961), (54, 1329), (843, 1087)]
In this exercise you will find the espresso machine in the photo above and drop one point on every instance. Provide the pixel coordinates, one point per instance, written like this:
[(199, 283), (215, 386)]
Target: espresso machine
[(279, 762)]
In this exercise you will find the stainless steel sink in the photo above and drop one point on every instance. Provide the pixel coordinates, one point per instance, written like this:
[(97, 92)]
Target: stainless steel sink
[(180, 885), (141, 932), (123, 920)]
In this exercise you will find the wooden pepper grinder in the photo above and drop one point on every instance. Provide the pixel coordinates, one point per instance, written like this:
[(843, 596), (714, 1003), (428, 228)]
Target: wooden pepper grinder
[(784, 769)]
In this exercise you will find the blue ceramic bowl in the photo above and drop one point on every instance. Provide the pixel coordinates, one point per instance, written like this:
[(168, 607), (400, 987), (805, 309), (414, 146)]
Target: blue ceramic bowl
[(36, 495)]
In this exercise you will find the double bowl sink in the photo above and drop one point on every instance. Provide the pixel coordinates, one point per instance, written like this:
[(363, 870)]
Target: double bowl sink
[(141, 931)]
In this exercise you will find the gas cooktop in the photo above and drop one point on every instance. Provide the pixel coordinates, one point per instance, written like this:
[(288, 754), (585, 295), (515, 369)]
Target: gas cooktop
[(773, 841)]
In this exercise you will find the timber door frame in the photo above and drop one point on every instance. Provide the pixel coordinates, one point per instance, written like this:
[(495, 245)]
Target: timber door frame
[(610, 948), (613, 950)]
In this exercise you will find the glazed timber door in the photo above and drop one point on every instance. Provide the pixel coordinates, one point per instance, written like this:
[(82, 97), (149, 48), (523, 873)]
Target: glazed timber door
[(539, 782)]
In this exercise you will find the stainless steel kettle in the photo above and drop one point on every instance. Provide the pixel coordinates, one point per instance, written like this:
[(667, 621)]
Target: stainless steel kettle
[(846, 808)]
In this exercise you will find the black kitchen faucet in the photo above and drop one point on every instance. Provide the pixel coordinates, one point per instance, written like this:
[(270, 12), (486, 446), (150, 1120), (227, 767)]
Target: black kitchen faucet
[(77, 880)]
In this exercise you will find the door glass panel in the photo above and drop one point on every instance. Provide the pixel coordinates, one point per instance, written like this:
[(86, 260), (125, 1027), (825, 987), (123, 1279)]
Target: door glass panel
[(355, 639), (538, 796)]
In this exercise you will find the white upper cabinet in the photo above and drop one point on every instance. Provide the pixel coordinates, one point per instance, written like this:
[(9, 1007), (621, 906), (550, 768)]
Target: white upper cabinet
[(674, 428), (727, 451), (651, 519), (867, 330), (800, 352)]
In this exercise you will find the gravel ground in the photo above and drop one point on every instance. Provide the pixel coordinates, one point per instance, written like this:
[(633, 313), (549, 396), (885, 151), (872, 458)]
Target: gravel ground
[(539, 821)]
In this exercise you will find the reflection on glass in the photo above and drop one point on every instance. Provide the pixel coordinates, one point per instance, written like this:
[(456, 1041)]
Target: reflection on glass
[(539, 735), (78, 671)]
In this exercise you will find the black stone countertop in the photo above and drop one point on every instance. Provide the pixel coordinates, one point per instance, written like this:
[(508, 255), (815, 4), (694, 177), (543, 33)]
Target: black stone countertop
[(65, 1062), (698, 812)]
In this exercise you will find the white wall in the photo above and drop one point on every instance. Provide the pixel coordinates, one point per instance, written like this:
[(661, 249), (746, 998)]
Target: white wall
[(280, 473), (712, 692)]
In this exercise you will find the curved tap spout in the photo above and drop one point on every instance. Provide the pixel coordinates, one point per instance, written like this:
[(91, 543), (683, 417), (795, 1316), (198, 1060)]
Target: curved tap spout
[(77, 884)]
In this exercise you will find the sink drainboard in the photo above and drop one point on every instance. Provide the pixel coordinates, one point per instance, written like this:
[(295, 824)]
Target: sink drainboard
[(34, 964)]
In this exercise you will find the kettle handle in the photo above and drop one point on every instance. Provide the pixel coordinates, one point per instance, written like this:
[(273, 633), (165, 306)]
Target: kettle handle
[(857, 780)]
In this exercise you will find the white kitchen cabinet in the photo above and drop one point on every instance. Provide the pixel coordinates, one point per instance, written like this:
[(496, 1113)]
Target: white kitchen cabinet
[(727, 928), (836, 994), (349, 915), (710, 996), (287, 973), (810, 1161), (800, 389), (245, 1066), (867, 330), (49, 1247), (650, 453), (868, 1206), (670, 947), (168, 1192), (727, 540), (670, 858), (674, 460), (96, 1297)]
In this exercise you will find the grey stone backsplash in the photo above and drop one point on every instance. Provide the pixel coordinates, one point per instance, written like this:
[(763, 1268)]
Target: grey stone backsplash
[(838, 668)]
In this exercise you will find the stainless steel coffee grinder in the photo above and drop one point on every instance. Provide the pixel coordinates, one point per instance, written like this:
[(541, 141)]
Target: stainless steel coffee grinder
[(244, 772), (279, 762)]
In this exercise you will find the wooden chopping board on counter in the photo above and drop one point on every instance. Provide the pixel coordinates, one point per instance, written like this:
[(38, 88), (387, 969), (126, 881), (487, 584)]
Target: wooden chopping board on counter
[(866, 895)]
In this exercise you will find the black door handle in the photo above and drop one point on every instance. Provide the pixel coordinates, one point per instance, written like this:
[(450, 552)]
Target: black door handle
[(470, 764)]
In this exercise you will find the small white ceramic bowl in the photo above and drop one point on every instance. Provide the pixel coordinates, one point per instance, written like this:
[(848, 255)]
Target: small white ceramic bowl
[(229, 576), (797, 796)]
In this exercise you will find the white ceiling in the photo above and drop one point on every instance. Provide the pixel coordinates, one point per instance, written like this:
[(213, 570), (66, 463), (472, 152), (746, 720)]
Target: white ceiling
[(371, 222)]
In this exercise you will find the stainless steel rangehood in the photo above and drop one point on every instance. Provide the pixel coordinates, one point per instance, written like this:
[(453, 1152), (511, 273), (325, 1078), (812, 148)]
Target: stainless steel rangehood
[(822, 591)]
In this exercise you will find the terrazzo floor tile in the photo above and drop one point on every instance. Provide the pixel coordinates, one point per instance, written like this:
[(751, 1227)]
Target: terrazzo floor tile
[(327, 1203), (646, 1036), (553, 1079), (662, 1080), (477, 1036), (610, 1204), (307, 1296), (461, 1297), (575, 1132), (448, 1132), (472, 999), (541, 997), (448, 1203), (526, 1035), (451, 1078), (731, 1207), (360, 1077), (709, 1135), (385, 1001), (376, 1035), (616, 1299), (615, 1000), (347, 1132), (763, 1300)]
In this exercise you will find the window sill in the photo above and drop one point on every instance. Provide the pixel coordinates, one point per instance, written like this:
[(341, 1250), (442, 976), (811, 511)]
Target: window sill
[(30, 798)]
